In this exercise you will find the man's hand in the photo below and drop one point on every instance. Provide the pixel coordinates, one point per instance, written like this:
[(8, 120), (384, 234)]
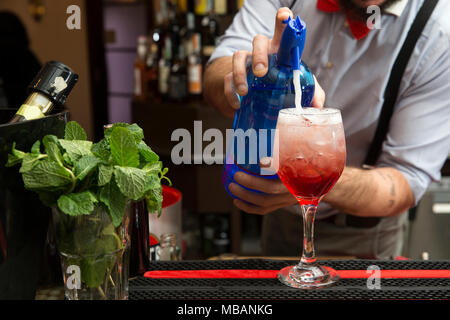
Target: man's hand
[(275, 195), (227, 76)]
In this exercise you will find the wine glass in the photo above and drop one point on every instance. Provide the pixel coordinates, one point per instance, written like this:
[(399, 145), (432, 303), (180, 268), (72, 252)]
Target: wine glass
[(310, 154)]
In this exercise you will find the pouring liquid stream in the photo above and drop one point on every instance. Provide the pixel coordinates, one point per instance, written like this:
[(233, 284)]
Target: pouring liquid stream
[(298, 91)]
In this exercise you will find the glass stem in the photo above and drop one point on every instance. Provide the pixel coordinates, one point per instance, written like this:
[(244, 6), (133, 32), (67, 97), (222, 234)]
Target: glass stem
[(309, 213)]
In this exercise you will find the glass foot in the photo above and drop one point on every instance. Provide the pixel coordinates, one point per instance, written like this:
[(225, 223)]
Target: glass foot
[(308, 277)]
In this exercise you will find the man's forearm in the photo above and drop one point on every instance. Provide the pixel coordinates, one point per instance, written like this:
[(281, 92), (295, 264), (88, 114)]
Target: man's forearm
[(214, 85), (379, 192)]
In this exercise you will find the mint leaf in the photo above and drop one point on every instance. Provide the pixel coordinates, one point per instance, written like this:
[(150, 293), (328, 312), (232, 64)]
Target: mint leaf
[(93, 271), (76, 148), (74, 131), (75, 204), (105, 173), (29, 161), (51, 146), (115, 201), (153, 168), (36, 148), (134, 129), (123, 148), (84, 166), (46, 175), (132, 182), (15, 157), (101, 150), (146, 153), (153, 195)]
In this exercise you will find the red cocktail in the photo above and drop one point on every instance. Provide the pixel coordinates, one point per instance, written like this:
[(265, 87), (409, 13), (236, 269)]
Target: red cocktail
[(310, 154)]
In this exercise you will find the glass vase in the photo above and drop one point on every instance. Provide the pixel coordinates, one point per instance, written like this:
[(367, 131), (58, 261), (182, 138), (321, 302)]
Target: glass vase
[(94, 255)]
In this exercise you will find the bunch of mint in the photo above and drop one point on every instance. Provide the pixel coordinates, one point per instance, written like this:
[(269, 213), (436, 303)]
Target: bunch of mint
[(74, 174)]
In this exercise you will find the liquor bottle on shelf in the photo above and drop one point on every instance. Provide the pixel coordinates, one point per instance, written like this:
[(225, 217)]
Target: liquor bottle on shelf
[(190, 30), (140, 70), (210, 38), (178, 77), (50, 88), (164, 68), (195, 68), (220, 7), (152, 72), (202, 7), (239, 4)]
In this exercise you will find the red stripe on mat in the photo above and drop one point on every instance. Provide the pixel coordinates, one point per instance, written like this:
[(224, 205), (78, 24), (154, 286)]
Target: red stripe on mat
[(264, 274)]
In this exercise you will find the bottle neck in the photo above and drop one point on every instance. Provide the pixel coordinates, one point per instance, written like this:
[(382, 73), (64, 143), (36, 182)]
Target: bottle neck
[(37, 99)]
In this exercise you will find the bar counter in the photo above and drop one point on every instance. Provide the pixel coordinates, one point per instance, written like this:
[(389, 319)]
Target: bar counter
[(256, 279)]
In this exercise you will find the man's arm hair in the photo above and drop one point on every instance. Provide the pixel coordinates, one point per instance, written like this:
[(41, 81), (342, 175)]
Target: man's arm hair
[(380, 192)]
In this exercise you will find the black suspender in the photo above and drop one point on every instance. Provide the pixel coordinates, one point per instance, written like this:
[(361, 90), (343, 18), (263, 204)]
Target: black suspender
[(391, 92)]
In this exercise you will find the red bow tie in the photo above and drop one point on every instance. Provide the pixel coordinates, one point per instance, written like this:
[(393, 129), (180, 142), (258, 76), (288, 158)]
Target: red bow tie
[(358, 28)]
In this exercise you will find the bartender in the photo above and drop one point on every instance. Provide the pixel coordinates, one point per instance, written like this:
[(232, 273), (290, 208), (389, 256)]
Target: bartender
[(365, 214)]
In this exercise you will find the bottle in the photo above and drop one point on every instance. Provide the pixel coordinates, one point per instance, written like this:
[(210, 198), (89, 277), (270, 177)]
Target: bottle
[(195, 68), (152, 72), (202, 7), (178, 77), (50, 88), (164, 68), (210, 37), (140, 236), (220, 7), (190, 30), (140, 70), (239, 4), (260, 107), (169, 250)]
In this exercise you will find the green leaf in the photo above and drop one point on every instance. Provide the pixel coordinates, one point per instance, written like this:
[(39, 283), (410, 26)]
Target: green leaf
[(74, 131), (76, 148), (93, 271), (132, 182), (84, 166), (101, 150), (47, 175), (153, 167), (29, 161), (15, 157), (123, 148), (146, 153), (115, 201), (105, 173), (36, 148), (52, 149), (134, 129), (75, 204), (153, 194)]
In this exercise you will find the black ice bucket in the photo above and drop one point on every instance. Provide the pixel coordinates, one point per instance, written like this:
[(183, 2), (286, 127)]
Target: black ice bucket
[(24, 219)]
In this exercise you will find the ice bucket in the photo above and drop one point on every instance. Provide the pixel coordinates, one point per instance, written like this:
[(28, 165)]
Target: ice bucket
[(23, 219)]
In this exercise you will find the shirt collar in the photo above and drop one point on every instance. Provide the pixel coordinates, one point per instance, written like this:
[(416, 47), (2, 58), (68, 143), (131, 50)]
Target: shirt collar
[(396, 8)]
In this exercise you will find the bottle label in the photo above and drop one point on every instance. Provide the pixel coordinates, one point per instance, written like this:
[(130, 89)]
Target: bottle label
[(163, 84), (30, 112), (137, 82), (195, 79)]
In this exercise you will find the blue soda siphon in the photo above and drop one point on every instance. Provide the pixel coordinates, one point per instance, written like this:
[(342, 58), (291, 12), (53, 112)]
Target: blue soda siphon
[(260, 107)]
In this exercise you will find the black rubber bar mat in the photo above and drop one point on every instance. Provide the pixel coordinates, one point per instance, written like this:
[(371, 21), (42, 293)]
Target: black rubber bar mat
[(142, 288)]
